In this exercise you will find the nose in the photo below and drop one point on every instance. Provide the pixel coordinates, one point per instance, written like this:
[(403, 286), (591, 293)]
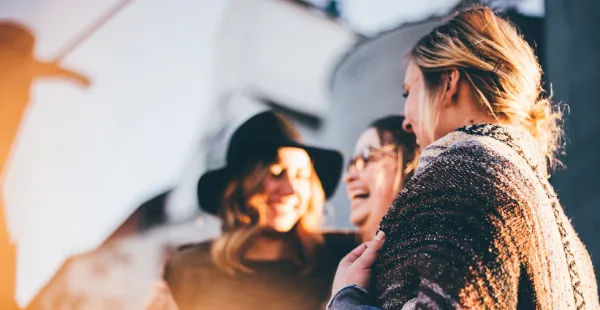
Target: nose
[(350, 176), (286, 188), (407, 126)]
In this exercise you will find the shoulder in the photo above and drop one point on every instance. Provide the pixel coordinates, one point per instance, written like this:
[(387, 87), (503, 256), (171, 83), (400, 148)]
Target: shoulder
[(497, 148), (462, 157), (196, 251), (189, 257), (476, 176)]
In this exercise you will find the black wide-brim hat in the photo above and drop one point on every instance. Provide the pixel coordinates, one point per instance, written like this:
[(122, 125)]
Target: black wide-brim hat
[(266, 130)]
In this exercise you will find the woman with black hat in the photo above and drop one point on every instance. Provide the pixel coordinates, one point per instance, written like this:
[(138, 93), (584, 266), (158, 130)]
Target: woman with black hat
[(272, 253)]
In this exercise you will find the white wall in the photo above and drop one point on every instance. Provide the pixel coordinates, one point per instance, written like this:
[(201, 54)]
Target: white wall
[(87, 158)]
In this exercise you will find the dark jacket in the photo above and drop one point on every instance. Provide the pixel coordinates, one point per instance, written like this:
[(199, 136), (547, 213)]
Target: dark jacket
[(196, 283), (479, 226)]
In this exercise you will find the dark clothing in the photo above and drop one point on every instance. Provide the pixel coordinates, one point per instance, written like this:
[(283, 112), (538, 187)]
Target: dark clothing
[(480, 227), (351, 297), (196, 283)]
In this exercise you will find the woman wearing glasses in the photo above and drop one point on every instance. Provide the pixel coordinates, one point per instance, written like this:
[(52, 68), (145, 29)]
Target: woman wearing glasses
[(385, 157)]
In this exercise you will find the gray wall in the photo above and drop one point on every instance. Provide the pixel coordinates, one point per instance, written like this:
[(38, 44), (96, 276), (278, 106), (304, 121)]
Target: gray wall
[(573, 68), (367, 85)]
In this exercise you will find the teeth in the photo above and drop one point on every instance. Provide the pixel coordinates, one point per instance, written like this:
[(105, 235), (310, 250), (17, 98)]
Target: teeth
[(359, 194)]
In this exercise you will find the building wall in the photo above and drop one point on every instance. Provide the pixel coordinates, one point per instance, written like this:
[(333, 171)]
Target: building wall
[(573, 68)]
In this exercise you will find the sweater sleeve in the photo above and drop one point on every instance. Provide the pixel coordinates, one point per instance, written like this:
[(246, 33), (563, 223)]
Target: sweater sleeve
[(351, 297), (449, 240)]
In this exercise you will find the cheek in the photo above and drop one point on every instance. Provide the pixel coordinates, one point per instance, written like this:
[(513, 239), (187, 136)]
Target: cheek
[(383, 185), (304, 192), (411, 110), (268, 185)]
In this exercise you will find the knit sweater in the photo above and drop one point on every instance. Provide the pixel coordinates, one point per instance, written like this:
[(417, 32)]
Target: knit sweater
[(480, 227)]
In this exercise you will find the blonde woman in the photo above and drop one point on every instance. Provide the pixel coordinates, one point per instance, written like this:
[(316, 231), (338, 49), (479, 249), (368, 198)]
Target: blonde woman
[(269, 197), (479, 225)]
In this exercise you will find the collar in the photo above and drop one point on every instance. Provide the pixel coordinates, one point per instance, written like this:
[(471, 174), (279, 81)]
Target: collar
[(517, 138)]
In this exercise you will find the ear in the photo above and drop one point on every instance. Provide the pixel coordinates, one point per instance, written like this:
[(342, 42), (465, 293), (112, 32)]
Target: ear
[(452, 79)]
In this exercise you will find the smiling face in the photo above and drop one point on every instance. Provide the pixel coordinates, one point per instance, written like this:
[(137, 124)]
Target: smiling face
[(372, 190), (286, 190)]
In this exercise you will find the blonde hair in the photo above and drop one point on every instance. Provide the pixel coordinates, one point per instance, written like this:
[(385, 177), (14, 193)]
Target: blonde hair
[(500, 67), (406, 167), (242, 222)]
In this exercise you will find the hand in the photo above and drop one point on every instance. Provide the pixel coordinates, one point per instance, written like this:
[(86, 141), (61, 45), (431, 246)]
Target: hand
[(355, 268), (161, 298)]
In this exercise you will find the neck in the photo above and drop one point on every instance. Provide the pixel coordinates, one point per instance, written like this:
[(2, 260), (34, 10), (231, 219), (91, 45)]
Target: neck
[(269, 247), (467, 111), (465, 118), (481, 118), (365, 235)]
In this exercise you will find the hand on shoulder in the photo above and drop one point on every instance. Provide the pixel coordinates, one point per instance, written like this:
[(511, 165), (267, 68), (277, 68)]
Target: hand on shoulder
[(355, 268)]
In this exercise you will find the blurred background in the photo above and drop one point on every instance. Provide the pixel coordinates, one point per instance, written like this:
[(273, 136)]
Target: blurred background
[(101, 182)]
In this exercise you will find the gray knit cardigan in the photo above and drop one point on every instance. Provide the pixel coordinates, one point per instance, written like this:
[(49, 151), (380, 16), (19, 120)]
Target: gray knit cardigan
[(480, 227)]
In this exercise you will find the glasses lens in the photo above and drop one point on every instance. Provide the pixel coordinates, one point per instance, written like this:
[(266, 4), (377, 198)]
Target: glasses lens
[(357, 163), (360, 164), (351, 164)]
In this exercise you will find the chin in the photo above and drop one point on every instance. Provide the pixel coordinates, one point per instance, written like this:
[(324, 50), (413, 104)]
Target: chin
[(356, 222), (281, 227), (281, 230), (358, 219)]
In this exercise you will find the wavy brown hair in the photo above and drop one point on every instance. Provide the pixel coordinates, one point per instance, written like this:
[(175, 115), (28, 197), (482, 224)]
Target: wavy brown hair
[(500, 67), (242, 222)]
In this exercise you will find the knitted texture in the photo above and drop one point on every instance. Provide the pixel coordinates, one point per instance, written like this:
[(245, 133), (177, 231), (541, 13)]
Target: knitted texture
[(480, 227)]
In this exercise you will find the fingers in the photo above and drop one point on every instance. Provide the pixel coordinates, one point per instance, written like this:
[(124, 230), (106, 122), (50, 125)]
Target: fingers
[(354, 254), (369, 255)]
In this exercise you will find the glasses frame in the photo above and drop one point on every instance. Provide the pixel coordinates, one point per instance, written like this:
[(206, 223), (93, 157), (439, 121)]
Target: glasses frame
[(359, 162)]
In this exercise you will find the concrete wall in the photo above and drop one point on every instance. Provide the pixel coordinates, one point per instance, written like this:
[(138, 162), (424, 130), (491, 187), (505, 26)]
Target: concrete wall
[(573, 68)]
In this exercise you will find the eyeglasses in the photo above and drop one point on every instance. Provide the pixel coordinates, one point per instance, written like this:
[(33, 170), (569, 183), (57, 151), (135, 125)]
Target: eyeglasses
[(368, 154)]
